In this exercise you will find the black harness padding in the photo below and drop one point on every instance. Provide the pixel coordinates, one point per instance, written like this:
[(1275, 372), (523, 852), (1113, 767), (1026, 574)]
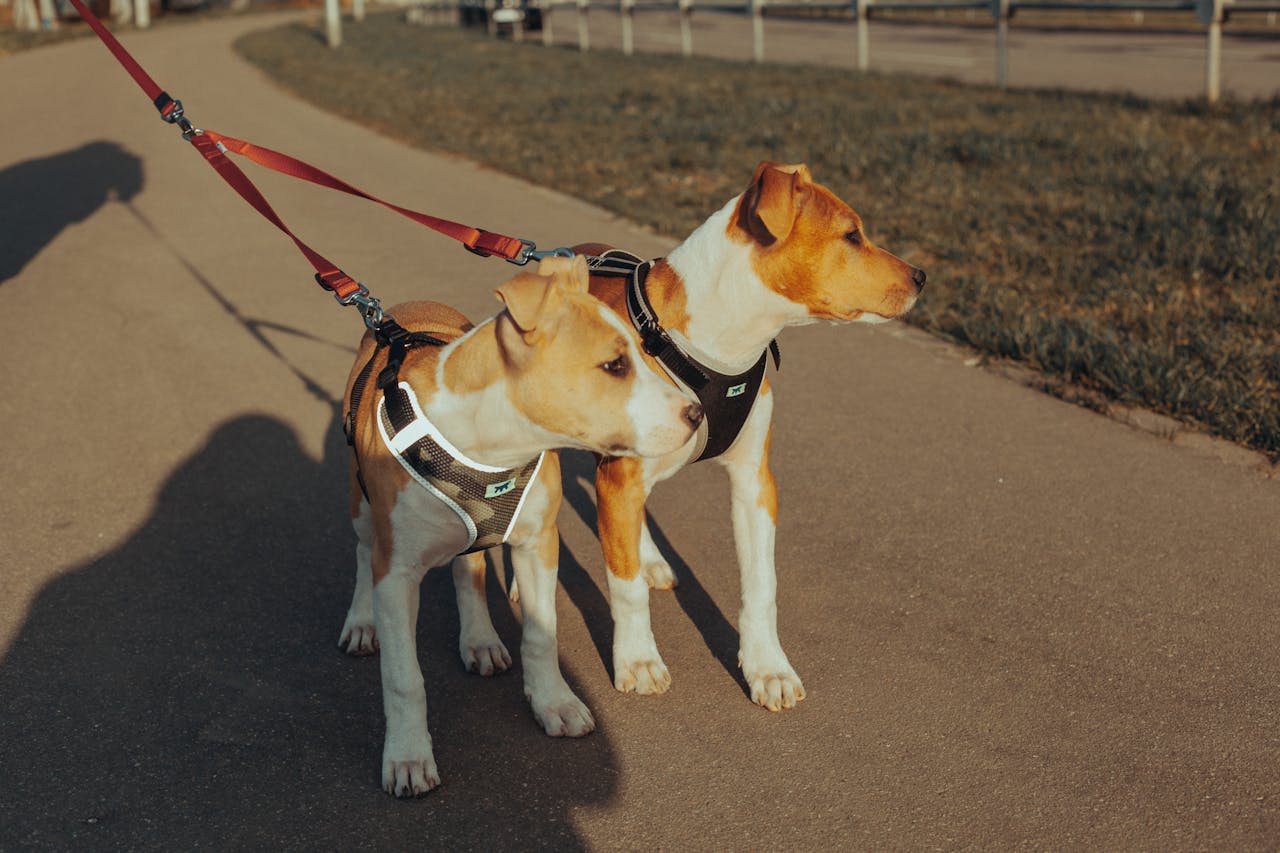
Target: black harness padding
[(726, 399)]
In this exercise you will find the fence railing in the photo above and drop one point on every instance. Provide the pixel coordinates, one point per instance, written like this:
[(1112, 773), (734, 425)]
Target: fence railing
[(1211, 13)]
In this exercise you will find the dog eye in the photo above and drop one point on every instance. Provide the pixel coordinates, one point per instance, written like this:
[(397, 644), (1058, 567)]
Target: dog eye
[(854, 237), (619, 367)]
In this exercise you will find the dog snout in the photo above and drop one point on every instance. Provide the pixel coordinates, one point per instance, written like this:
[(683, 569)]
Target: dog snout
[(693, 415), (917, 278)]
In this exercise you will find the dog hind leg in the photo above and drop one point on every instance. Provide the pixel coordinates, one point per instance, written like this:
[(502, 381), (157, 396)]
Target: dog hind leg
[(358, 636), (481, 649)]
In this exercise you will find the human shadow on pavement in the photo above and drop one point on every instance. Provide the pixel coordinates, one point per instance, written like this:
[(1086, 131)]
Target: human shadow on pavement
[(39, 198), (717, 631), (185, 688)]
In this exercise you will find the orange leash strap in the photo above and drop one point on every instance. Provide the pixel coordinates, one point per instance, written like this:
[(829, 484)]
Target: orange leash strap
[(214, 147)]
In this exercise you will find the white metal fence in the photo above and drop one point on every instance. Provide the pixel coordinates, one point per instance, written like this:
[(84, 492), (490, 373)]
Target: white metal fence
[(1211, 13)]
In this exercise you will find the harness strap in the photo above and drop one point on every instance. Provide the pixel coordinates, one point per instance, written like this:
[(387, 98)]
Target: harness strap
[(726, 399), (391, 334)]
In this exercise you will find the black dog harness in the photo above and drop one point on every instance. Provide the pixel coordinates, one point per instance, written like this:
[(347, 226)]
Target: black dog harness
[(486, 499), (726, 399)]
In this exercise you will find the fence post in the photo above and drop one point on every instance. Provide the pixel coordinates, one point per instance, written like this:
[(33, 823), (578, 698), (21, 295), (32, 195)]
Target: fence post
[(1000, 11), (757, 30), (332, 23), (490, 24), (864, 35), (1211, 12), (628, 10), (584, 34), (546, 23), (686, 28), (48, 15)]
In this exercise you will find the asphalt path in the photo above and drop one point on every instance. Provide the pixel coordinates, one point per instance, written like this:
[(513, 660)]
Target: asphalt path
[(1020, 624), (1151, 64)]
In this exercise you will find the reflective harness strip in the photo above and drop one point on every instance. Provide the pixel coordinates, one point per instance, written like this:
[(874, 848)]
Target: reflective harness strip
[(727, 399), (488, 500)]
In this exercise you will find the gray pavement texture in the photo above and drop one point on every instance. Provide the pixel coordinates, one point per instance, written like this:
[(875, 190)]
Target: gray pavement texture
[(1149, 64), (1020, 624)]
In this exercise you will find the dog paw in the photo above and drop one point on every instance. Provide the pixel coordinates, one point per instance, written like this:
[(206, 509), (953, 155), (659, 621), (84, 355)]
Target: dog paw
[(358, 636), (410, 777), (561, 714), (484, 655), (659, 575), (774, 689), (647, 677)]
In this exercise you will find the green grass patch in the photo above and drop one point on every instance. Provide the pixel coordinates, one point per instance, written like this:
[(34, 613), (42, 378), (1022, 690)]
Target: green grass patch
[(1124, 247)]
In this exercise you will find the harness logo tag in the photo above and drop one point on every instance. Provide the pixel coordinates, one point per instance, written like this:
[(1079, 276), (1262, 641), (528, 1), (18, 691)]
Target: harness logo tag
[(737, 390), (498, 489)]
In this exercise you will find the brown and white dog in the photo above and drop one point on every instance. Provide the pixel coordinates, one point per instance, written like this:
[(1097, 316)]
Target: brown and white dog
[(556, 368), (786, 252)]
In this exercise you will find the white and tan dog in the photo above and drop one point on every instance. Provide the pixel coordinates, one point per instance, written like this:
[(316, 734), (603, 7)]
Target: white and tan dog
[(786, 252), (556, 368)]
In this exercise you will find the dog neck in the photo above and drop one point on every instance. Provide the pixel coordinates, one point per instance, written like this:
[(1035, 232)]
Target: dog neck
[(472, 408), (731, 314)]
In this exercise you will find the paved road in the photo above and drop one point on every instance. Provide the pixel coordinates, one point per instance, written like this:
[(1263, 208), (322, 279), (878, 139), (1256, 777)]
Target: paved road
[(1019, 623), (1151, 64)]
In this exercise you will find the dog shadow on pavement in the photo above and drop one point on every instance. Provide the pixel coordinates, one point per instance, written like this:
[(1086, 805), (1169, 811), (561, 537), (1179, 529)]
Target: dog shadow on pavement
[(41, 197), (186, 690)]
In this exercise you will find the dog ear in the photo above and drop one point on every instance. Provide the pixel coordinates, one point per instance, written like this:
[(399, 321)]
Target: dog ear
[(572, 273), (528, 297), (768, 209)]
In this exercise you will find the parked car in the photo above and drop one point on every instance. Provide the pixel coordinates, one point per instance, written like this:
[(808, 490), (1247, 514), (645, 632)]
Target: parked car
[(506, 13)]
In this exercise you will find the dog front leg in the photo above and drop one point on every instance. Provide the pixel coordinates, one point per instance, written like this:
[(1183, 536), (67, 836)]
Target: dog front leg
[(481, 649), (770, 676), (620, 495), (554, 704), (408, 764)]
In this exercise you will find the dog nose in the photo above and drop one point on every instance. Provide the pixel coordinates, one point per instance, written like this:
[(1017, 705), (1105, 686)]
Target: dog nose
[(693, 414), (917, 276)]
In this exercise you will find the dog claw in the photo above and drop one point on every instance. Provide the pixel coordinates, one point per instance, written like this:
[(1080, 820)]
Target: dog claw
[(563, 715), (659, 575), (485, 657), (358, 638), (776, 690), (648, 677), (411, 778)]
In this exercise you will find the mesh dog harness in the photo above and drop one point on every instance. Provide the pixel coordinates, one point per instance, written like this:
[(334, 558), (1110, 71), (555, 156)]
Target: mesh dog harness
[(486, 499)]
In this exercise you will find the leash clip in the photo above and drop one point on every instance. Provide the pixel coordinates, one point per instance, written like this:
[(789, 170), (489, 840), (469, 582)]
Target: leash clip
[(529, 252), (370, 306), (172, 112), (534, 255)]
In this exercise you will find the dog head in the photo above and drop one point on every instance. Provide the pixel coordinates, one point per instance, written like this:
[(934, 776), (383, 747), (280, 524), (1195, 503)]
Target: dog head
[(575, 369), (808, 246)]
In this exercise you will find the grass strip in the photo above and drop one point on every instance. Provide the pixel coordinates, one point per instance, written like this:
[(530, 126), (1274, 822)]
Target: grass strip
[(1126, 248)]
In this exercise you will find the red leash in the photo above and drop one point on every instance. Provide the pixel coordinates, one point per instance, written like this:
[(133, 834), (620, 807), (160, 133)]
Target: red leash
[(214, 147)]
